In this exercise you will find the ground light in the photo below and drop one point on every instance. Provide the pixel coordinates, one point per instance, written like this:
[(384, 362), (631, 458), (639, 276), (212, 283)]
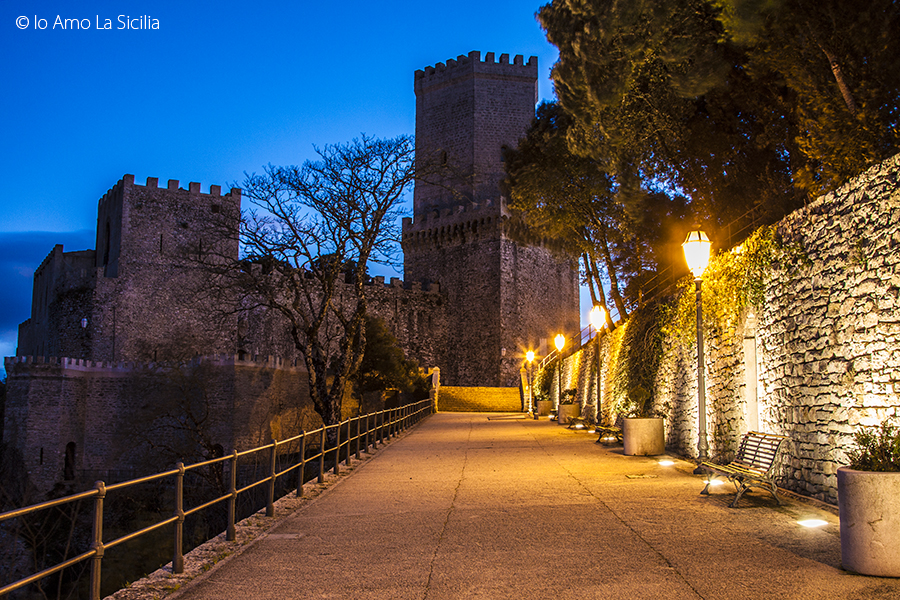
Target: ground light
[(666, 463), (812, 523)]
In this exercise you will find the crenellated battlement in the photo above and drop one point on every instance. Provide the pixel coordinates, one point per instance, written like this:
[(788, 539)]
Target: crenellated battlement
[(470, 64), (398, 284), (460, 221), (11, 363), (152, 183)]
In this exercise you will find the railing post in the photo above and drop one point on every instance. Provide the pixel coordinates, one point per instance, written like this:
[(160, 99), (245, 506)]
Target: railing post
[(232, 500), (178, 556), (358, 436), (322, 456), (337, 450), (301, 472), (379, 431), (270, 501), (97, 542)]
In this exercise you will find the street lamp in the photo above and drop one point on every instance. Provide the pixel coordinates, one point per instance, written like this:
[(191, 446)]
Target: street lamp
[(559, 341), (696, 253), (598, 319), (529, 356)]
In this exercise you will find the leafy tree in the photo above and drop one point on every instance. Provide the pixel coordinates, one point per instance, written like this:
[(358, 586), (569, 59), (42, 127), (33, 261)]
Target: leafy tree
[(839, 61), (734, 102), (384, 365), (306, 247), (577, 204)]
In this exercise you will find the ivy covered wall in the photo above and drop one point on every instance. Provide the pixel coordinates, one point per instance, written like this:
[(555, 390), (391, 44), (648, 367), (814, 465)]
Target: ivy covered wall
[(802, 336)]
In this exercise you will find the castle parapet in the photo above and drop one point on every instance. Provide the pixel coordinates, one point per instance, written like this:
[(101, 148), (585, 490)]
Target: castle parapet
[(172, 185), (15, 363), (468, 64)]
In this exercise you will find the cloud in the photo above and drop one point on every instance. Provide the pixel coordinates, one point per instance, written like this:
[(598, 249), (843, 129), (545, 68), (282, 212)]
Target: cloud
[(21, 252)]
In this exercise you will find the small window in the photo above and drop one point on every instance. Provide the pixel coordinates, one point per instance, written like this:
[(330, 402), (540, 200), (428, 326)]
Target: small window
[(503, 151), (69, 466), (443, 157), (215, 208)]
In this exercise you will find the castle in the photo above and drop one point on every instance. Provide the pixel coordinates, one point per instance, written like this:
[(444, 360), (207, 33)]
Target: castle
[(473, 301)]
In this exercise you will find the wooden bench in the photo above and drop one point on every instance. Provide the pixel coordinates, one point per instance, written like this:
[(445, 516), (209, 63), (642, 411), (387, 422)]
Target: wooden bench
[(751, 467), (586, 422), (608, 432)]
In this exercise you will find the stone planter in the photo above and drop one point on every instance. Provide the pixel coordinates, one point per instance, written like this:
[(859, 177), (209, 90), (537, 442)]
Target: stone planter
[(568, 412), (643, 437), (544, 407), (869, 504)]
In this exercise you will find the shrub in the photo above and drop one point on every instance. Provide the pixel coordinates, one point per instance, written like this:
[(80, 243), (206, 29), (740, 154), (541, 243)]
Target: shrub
[(876, 449)]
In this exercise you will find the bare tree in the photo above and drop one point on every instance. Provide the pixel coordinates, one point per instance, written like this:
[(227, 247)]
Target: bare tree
[(306, 247)]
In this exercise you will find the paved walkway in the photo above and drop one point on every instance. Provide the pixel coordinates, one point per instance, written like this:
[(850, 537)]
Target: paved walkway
[(467, 507)]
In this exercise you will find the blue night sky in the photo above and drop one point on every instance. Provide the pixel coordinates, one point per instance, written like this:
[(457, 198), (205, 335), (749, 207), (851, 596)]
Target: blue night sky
[(221, 88)]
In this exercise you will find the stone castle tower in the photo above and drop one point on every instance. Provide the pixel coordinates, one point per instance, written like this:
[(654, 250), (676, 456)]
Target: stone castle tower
[(503, 297)]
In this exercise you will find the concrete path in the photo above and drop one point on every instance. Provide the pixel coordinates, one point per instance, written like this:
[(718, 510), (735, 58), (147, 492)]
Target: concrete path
[(467, 507)]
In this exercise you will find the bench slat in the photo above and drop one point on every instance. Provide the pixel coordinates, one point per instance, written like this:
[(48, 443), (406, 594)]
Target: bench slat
[(751, 466)]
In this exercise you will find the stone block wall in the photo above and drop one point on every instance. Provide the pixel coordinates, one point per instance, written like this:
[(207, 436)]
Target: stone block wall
[(502, 297), (479, 399), (829, 334), (818, 359), (467, 110), (120, 416)]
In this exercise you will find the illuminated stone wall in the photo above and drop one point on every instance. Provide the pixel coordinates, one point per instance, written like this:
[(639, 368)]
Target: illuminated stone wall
[(819, 358)]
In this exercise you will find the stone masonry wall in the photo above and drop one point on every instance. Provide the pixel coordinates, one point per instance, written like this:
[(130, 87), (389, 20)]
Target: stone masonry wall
[(829, 335), (819, 358), (502, 297), (116, 413)]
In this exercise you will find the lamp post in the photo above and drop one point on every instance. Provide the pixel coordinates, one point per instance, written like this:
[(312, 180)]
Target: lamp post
[(598, 318), (529, 356), (559, 341), (696, 253)]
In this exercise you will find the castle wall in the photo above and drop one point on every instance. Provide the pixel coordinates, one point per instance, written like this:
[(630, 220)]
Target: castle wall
[(62, 296), (539, 299), (159, 305), (121, 417), (502, 297), (464, 255), (467, 110), (141, 295)]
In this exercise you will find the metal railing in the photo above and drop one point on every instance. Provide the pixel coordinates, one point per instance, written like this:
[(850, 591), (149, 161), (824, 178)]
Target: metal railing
[(587, 333), (384, 425)]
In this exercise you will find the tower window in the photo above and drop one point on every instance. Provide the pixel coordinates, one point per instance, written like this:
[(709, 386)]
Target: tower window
[(69, 466)]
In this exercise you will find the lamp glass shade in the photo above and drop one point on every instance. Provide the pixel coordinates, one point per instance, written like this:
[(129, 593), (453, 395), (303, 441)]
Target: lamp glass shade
[(696, 252), (597, 316), (559, 341), (529, 356)]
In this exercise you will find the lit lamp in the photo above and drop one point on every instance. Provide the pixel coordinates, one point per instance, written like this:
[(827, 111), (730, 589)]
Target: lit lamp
[(598, 319), (529, 356), (696, 253), (559, 341)]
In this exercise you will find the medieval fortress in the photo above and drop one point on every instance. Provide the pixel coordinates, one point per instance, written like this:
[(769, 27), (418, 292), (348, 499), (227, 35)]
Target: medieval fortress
[(83, 386)]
